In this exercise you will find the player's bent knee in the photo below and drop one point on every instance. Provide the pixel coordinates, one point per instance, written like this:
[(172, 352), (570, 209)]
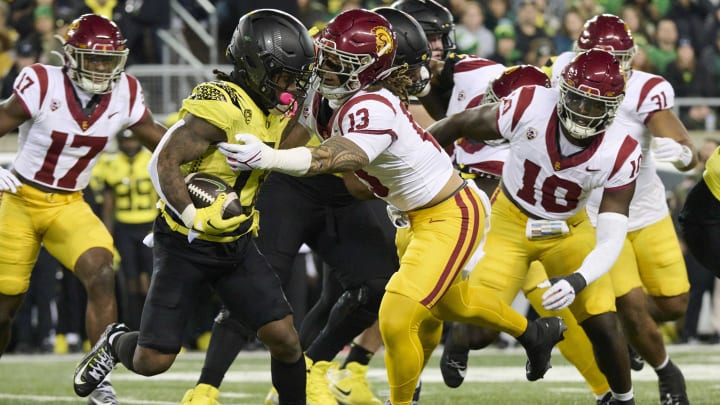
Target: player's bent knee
[(150, 362)]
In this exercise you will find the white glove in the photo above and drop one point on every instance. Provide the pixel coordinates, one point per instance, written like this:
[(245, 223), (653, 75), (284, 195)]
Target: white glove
[(254, 154), (668, 150), (8, 181), (248, 156), (398, 218), (562, 291)]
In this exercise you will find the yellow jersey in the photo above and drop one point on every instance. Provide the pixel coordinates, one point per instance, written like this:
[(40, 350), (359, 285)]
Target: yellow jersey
[(129, 180), (711, 175)]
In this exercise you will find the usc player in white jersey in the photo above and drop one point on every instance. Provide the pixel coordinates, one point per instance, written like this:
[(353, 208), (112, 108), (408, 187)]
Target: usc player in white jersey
[(66, 117), (371, 133), (483, 163), (562, 146), (654, 264)]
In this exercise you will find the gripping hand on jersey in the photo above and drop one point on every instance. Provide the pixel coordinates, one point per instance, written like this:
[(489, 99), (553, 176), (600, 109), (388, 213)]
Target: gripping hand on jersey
[(254, 154), (210, 220), (562, 291), (8, 181), (668, 150)]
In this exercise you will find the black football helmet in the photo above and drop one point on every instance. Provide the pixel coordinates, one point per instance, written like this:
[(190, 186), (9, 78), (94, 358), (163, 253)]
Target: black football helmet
[(413, 47), (433, 17), (271, 51)]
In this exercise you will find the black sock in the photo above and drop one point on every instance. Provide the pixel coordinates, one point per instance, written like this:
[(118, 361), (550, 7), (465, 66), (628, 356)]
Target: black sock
[(225, 344), (530, 336), (124, 348), (358, 354), (289, 380)]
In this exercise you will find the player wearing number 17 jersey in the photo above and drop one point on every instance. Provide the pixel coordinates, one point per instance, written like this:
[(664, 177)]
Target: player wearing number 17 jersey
[(372, 134), (563, 144), (66, 117)]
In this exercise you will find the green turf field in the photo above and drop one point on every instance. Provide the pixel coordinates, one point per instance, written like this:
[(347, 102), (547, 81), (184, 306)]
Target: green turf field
[(495, 377)]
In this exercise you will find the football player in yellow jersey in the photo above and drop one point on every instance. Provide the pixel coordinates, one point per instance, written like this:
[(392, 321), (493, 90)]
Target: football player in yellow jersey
[(700, 216), (272, 54), (129, 209)]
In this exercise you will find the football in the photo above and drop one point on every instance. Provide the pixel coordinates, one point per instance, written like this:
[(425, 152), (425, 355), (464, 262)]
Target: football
[(204, 188)]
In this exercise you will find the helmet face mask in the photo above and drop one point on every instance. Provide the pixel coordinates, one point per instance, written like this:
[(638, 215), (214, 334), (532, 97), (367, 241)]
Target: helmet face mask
[(272, 54), (355, 50), (337, 72), (609, 33), (95, 53), (591, 90)]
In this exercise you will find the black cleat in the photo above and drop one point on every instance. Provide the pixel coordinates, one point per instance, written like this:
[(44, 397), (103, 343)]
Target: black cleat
[(605, 400), (550, 331), (672, 386), (453, 366), (98, 363), (636, 361)]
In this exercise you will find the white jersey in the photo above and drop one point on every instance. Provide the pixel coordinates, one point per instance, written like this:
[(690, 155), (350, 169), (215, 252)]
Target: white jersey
[(645, 94), (59, 145), (471, 77), (407, 167), (538, 177)]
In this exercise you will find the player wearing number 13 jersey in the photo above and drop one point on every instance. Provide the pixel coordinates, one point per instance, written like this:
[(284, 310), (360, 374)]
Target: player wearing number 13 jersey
[(66, 116), (563, 144), (371, 133)]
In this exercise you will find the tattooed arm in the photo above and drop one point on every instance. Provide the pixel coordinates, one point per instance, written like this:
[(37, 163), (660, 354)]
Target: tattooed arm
[(337, 154)]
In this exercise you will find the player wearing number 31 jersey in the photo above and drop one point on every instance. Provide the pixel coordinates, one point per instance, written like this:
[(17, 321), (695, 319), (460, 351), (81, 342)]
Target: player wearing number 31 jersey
[(66, 117)]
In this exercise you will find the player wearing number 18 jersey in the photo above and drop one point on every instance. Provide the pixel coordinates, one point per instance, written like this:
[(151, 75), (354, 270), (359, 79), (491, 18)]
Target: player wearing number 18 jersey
[(562, 146), (652, 264), (372, 134), (67, 115)]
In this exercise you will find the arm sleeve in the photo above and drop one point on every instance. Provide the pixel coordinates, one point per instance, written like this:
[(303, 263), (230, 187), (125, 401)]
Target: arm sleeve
[(610, 232)]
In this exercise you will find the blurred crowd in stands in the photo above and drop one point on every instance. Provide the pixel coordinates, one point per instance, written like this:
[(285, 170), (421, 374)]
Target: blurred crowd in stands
[(679, 40)]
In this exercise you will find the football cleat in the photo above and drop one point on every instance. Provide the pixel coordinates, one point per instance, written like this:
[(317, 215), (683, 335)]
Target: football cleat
[(636, 361), (550, 331), (97, 363), (104, 394), (672, 386), (202, 394), (318, 391), (453, 365), (350, 385), (605, 400)]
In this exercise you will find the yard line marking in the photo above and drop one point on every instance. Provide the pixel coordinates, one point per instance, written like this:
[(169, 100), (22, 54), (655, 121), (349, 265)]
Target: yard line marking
[(54, 399), (477, 373)]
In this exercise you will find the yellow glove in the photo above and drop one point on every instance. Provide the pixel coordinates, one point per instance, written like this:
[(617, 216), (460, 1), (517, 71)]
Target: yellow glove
[(209, 220)]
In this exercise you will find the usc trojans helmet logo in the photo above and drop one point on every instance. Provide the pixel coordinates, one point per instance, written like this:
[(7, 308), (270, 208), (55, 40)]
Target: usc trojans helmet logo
[(383, 40)]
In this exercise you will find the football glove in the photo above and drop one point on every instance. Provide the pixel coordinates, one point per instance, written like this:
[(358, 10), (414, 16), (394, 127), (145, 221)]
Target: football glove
[(668, 150), (209, 219), (253, 154), (8, 181), (562, 291)]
